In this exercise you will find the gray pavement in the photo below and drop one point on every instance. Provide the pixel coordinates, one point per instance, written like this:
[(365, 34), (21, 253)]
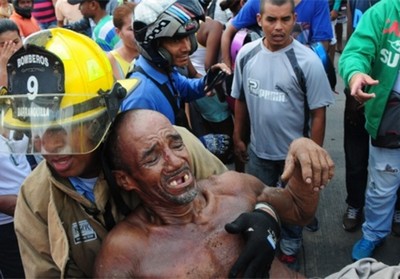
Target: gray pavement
[(329, 249)]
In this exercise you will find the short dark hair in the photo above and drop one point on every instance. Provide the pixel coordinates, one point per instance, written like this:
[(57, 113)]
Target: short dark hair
[(112, 149), (276, 3), (8, 25)]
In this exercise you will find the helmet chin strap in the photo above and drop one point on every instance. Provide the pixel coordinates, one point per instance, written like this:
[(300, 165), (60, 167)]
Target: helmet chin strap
[(113, 99)]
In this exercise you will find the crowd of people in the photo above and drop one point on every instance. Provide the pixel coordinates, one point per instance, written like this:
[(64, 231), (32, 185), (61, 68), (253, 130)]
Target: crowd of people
[(120, 119)]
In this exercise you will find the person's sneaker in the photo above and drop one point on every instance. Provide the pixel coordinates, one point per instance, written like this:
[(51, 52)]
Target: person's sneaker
[(396, 223), (364, 248), (289, 260), (313, 226), (352, 218)]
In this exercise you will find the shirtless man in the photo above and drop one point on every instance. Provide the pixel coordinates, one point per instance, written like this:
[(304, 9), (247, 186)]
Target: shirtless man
[(178, 231)]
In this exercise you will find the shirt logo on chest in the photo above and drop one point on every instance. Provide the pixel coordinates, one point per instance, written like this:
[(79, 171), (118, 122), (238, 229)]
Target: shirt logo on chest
[(83, 232)]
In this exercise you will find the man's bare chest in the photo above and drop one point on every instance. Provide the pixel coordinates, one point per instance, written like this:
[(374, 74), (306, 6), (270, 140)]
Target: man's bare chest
[(190, 252), (195, 250)]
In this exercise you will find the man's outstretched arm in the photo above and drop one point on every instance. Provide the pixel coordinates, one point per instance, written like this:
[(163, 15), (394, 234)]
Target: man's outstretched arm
[(308, 168)]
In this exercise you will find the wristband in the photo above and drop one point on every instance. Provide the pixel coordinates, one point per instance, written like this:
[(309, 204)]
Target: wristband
[(267, 208)]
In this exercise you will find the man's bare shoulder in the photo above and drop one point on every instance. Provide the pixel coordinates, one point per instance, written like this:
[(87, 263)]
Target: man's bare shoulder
[(122, 248), (232, 182)]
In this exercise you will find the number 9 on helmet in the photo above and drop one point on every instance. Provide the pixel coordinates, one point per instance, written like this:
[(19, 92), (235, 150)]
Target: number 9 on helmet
[(61, 93)]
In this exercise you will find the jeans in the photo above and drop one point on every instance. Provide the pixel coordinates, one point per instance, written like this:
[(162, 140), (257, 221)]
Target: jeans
[(381, 193), (266, 170), (269, 172)]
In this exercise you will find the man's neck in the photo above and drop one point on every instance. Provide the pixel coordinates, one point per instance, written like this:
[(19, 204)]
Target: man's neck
[(173, 214), (99, 16)]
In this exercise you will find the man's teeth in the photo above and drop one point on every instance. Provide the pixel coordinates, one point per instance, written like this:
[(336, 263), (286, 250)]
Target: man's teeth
[(175, 183)]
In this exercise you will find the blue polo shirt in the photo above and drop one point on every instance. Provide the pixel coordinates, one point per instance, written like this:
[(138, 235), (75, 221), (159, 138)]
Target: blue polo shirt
[(148, 96)]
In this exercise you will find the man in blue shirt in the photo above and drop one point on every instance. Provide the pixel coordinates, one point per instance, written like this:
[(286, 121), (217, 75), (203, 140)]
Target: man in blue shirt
[(313, 24), (165, 31)]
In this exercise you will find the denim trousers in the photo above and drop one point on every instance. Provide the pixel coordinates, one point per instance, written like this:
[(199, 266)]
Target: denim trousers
[(269, 173), (381, 193)]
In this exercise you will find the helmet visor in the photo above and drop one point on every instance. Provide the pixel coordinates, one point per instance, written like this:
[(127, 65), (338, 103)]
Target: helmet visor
[(70, 128)]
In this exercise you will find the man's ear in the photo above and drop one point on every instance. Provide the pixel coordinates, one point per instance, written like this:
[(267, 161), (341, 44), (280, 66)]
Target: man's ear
[(259, 19), (124, 181)]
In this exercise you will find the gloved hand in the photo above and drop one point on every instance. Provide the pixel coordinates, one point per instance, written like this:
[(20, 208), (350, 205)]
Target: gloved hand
[(216, 143), (261, 232), (215, 75)]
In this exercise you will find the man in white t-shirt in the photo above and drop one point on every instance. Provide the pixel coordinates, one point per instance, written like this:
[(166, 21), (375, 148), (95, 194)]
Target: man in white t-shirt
[(14, 169)]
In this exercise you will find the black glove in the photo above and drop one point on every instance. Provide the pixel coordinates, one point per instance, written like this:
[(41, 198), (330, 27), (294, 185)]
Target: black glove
[(261, 232), (213, 78)]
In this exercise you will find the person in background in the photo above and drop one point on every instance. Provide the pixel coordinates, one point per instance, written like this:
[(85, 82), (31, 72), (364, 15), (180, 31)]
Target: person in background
[(122, 57), (313, 24), (162, 50), (6, 9), (369, 67), (44, 13), (280, 108), (14, 167), (103, 32), (313, 28), (334, 7), (356, 137), (67, 13), (216, 12), (22, 16), (10, 42), (341, 20), (210, 117)]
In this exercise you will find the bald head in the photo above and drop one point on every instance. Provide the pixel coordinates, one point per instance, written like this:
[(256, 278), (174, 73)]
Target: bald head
[(132, 126)]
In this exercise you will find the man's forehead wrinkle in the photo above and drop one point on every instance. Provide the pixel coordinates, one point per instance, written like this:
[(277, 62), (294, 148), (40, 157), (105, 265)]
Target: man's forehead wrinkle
[(147, 151), (150, 142)]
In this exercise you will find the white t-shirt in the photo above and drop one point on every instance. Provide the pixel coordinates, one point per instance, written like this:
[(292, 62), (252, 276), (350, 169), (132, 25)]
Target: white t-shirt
[(14, 169)]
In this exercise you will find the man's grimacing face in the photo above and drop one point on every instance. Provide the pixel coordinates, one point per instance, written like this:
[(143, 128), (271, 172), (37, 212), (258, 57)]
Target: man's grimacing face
[(158, 160)]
